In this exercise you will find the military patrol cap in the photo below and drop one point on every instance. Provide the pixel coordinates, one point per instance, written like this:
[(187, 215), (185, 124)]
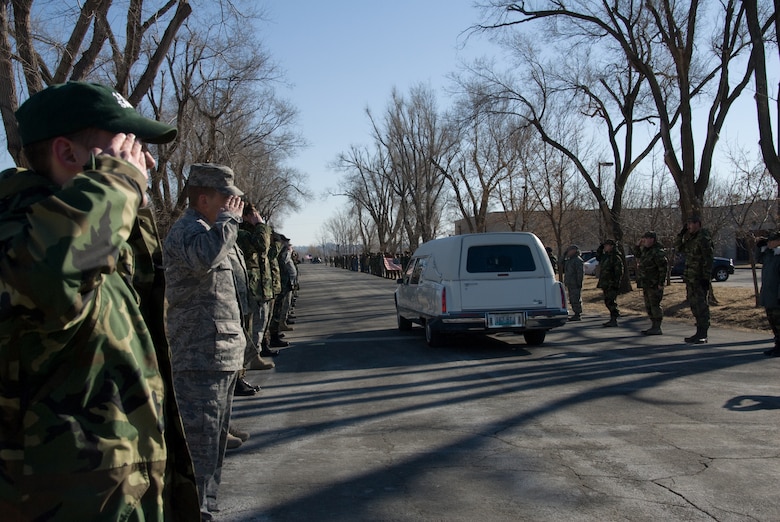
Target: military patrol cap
[(572, 247), (215, 176), (773, 236), (65, 108), (610, 242), (694, 218), (650, 234)]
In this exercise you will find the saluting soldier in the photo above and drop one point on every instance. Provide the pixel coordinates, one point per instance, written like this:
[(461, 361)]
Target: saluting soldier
[(610, 275), (695, 243), (89, 426), (651, 277)]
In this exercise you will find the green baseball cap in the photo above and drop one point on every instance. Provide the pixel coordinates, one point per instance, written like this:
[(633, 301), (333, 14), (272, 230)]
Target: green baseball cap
[(65, 108)]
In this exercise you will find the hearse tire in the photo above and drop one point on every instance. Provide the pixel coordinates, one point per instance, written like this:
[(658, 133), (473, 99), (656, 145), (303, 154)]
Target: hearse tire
[(534, 337)]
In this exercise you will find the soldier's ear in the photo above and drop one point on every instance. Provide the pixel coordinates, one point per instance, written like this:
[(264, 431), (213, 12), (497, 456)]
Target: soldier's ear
[(67, 159)]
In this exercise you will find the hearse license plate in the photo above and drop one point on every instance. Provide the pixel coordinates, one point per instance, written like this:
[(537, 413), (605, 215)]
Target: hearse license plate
[(505, 320)]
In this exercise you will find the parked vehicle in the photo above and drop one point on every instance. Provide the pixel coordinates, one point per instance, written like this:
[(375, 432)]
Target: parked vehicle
[(481, 283), (591, 266), (722, 267)]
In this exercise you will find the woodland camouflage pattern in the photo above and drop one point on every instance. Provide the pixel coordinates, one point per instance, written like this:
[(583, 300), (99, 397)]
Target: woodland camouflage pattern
[(254, 241), (273, 260), (652, 267), (83, 403), (698, 250)]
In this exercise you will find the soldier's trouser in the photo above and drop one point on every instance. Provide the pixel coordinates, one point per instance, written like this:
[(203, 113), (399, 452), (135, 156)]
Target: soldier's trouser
[(205, 400), (697, 298), (575, 298), (773, 316), (610, 300), (653, 297), (281, 309), (261, 318)]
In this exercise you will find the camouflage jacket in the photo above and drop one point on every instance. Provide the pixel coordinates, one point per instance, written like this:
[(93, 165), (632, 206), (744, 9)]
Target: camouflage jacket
[(770, 278), (573, 273), (273, 260), (610, 270), (698, 250), (85, 384), (205, 319), (652, 266), (254, 241), (288, 269)]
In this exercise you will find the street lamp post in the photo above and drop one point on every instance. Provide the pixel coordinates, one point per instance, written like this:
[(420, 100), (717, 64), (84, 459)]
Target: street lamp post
[(600, 203)]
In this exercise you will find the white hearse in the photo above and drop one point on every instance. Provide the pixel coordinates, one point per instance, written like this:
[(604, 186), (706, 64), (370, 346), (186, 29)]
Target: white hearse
[(482, 283)]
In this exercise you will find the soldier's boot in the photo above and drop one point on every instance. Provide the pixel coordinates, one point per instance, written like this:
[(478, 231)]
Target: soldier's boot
[(575, 317), (258, 363), (611, 323), (238, 432), (233, 442), (655, 329), (244, 389), (700, 337), (694, 336), (277, 342), (775, 350)]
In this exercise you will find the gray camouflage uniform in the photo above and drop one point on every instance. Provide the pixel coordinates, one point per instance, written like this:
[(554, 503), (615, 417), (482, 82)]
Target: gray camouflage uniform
[(206, 335)]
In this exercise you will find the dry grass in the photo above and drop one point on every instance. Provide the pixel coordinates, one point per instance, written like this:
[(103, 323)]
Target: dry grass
[(736, 308)]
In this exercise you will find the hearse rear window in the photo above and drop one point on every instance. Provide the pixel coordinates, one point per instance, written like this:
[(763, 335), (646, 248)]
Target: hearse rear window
[(500, 258)]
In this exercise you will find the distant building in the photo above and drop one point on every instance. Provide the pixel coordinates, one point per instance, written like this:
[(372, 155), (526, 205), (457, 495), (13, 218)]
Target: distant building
[(728, 225)]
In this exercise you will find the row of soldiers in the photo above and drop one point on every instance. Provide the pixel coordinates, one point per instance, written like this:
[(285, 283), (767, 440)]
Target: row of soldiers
[(371, 263), (693, 241), (272, 277)]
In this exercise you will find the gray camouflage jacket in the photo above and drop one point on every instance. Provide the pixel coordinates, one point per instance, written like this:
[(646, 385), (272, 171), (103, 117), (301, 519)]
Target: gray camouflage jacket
[(205, 319)]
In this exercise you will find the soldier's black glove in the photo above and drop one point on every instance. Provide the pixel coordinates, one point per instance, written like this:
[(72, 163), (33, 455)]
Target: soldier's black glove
[(704, 283)]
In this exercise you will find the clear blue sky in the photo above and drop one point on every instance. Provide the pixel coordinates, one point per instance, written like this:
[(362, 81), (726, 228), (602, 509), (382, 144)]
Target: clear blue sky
[(346, 55)]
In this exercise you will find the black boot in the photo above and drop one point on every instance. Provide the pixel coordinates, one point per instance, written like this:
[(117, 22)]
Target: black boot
[(655, 329), (277, 342), (244, 389), (694, 336), (611, 323), (700, 337)]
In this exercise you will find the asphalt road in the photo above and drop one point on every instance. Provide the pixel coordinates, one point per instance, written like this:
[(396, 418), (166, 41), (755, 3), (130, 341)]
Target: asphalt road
[(362, 422)]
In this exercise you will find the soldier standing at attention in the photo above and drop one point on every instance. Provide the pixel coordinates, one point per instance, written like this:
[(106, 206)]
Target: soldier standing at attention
[(89, 426), (651, 276), (254, 238), (205, 318), (572, 277), (610, 275), (769, 257), (695, 243)]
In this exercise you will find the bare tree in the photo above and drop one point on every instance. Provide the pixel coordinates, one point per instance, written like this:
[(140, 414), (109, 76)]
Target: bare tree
[(32, 55), (760, 24), (487, 155), (219, 88), (751, 203), (416, 139), (368, 183), (684, 52)]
